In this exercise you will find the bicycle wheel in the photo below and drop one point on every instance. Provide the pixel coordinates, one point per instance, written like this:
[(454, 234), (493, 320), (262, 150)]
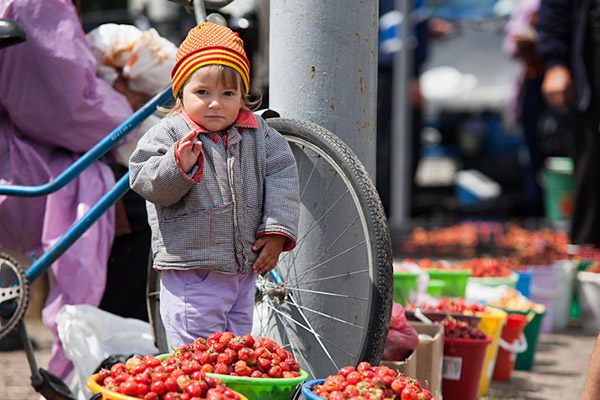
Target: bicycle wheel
[(330, 298), (14, 294)]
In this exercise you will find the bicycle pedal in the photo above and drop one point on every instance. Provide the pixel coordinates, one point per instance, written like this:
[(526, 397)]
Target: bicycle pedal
[(52, 387)]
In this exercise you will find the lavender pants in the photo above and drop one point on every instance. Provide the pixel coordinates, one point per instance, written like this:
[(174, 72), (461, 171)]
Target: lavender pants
[(196, 303)]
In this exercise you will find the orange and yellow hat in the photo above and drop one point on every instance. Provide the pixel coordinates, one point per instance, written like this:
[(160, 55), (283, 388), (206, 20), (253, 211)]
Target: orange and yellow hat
[(206, 44)]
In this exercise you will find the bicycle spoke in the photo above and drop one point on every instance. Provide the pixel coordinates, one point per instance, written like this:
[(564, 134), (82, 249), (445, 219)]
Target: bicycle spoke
[(329, 316), (290, 264), (317, 211), (333, 243), (331, 294), (287, 327), (314, 267), (301, 165), (351, 225), (338, 276), (317, 336), (321, 279), (284, 260), (316, 222), (312, 171)]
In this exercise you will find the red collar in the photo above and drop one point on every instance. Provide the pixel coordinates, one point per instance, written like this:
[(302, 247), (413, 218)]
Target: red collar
[(245, 119)]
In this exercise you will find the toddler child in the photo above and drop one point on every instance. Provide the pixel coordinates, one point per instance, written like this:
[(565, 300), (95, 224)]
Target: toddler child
[(221, 189)]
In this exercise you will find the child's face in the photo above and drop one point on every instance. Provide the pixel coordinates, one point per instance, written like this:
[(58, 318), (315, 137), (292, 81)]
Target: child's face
[(208, 102)]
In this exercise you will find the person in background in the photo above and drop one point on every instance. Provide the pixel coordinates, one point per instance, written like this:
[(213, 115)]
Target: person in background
[(221, 188), (53, 108), (423, 27), (527, 104), (569, 43)]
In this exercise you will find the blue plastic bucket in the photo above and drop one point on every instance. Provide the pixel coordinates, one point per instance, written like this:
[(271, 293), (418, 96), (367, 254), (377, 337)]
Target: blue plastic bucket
[(524, 282), (307, 389)]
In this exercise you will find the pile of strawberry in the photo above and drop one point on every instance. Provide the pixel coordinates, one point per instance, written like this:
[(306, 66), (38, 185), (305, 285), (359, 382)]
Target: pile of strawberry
[(594, 266), (370, 382), (182, 374), (226, 354), (449, 305), (491, 267), (426, 263), (455, 329), (147, 378)]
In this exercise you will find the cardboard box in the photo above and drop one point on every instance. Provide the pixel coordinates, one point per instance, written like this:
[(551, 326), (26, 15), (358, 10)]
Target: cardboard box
[(430, 356), (407, 367)]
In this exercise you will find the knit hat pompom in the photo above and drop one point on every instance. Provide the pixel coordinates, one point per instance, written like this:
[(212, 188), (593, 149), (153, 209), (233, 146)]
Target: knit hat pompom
[(207, 44)]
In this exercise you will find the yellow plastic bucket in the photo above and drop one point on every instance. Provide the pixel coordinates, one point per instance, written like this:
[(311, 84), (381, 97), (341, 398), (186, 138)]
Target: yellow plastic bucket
[(492, 321)]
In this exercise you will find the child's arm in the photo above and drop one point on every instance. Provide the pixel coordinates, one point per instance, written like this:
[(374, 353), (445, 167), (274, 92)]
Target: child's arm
[(155, 171), (270, 247)]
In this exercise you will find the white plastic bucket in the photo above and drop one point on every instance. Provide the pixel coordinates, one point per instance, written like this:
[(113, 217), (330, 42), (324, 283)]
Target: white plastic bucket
[(588, 289), (543, 290), (562, 302), (552, 286)]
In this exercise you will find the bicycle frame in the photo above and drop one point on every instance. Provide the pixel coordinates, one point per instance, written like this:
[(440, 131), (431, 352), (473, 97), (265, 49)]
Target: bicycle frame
[(105, 202)]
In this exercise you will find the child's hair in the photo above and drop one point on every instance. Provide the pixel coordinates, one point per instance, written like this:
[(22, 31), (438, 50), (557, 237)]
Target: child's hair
[(229, 78)]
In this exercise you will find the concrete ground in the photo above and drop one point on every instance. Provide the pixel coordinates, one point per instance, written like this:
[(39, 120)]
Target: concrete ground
[(558, 372)]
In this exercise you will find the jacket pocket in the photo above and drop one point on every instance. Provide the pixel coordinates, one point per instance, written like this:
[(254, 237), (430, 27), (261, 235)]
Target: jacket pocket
[(203, 237)]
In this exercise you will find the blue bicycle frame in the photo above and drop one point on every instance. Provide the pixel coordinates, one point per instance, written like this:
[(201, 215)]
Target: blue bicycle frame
[(105, 202)]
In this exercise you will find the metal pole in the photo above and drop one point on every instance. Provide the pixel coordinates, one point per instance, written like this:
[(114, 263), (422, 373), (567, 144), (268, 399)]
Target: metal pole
[(401, 125), (323, 67)]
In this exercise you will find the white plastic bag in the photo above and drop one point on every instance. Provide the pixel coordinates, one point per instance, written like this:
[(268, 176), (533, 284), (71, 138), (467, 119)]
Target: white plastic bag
[(90, 335), (144, 58)]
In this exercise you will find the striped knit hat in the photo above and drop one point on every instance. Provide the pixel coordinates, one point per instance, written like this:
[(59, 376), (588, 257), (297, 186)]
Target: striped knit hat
[(206, 44)]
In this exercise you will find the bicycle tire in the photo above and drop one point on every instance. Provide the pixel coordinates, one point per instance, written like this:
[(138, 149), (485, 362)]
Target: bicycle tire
[(361, 335), (352, 331)]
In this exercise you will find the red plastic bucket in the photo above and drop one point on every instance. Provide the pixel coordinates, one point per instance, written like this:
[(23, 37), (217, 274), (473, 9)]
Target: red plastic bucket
[(462, 367), (512, 343)]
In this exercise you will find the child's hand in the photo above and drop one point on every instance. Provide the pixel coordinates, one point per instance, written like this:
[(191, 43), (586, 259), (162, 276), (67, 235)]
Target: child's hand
[(270, 247), (188, 151)]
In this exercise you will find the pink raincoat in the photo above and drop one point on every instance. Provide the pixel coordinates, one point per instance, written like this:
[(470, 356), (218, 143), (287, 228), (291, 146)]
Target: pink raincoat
[(52, 109)]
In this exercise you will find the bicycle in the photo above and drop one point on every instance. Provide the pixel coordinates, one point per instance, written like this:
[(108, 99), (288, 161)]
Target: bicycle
[(330, 298)]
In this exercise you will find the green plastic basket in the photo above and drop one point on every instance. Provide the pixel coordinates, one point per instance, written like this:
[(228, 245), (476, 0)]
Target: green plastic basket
[(263, 388), (436, 287), (455, 280), (404, 282), (260, 388)]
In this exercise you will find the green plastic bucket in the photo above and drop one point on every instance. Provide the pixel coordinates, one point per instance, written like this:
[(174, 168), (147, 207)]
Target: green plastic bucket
[(259, 388), (404, 282), (263, 388), (557, 178), (455, 280), (574, 310), (532, 330), (436, 287)]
